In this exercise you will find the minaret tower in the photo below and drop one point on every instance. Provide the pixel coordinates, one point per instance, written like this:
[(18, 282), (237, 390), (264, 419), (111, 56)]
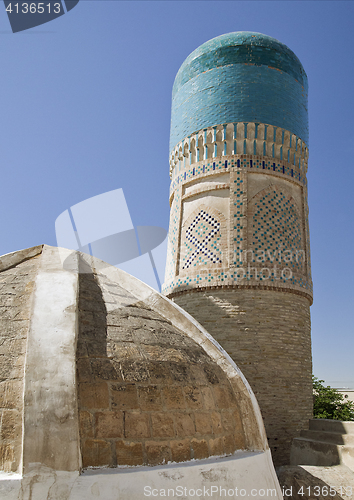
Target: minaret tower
[(239, 257)]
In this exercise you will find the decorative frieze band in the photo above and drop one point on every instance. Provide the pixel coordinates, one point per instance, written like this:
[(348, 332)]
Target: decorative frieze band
[(204, 169), (239, 138)]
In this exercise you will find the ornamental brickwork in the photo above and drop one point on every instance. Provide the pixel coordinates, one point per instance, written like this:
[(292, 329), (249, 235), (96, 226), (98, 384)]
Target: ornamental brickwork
[(239, 220)]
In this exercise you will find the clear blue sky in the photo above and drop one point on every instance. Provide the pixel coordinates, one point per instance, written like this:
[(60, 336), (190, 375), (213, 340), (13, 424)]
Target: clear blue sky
[(85, 108)]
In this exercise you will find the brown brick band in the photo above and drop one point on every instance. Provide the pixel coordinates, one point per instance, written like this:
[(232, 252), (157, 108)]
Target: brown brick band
[(268, 336)]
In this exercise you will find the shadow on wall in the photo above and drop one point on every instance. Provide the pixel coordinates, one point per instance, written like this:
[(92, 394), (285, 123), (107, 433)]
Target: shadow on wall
[(93, 366), (148, 394)]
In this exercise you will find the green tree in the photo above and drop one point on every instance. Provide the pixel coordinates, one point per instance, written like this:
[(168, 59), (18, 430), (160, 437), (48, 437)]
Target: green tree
[(329, 403)]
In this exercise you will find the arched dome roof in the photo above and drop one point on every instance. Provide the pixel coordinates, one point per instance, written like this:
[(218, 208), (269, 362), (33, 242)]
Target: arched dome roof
[(100, 370), (151, 386), (239, 77), (240, 47)]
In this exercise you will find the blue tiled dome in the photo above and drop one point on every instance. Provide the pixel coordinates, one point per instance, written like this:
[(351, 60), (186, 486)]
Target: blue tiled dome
[(241, 76), (240, 47)]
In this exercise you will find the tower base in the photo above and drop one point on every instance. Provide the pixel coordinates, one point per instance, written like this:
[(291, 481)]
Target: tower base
[(268, 335)]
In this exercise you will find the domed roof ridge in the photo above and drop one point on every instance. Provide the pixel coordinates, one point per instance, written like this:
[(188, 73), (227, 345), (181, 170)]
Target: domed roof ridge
[(248, 47)]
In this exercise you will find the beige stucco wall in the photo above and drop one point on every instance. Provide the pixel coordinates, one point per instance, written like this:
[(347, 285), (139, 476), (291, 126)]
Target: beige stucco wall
[(245, 474), (348, 394)]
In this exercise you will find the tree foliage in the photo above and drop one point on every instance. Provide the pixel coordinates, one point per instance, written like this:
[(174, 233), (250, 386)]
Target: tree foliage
[(329, 403)]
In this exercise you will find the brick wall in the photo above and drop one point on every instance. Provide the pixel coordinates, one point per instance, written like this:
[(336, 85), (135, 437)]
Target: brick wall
[(16, 285), (268, 335), (148, 394)]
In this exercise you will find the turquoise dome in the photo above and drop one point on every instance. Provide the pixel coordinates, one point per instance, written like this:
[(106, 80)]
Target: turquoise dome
[(240, 77), (241, 47)]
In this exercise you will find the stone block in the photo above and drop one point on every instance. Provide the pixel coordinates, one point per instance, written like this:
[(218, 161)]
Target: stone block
[(11, 426), (180, 450), (93, 395), (89, 304), (174, 355), (216, 422), (128, 351), (12, 367), (240, 442), (134, 371), (200, 448), (129, 453), (13, 347), (86, 422), (81, 349), (208, 400), (158, 452), (137, 425), (150, 398), (124, 397), (96, 348), (6, 300), (109, 424), (105, 369), (198, 375), (119, 334), (203, 422), (83, 368), (155, 353), (158, 372), (10, 313), (223, 396), (178, 372), (184, 424), (174, 398), (162, 425), (96, 453), (216, 446), (11, 394), (13, 329), (227, 421), (193, 397), (86, 320), (143, 336), (229, 444), (238, 422), (7, 458)]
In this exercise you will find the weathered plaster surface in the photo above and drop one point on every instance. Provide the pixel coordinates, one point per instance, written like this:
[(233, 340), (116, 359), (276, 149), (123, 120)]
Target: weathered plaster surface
[(252, 472), (50, 401), (14, 258)]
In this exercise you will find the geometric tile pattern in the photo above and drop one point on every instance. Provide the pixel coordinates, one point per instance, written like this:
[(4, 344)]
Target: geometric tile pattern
[(255, 164), (240, 240), (276, 231), (200, 233)]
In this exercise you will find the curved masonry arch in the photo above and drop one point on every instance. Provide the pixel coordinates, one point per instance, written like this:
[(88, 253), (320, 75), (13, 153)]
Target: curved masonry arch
[(51, 441)]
